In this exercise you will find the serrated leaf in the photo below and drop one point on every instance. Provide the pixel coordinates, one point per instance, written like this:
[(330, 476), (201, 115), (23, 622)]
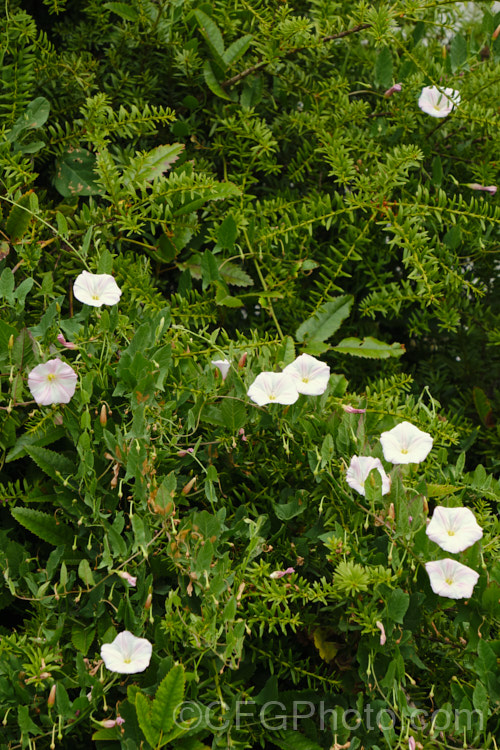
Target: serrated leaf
[(213, 37), (149, 165), (370, 348), (235, 275), (227, 233), (292, 739), (483, 407), (55, 465), (82, 637), (123, 10), (458, 52), (168, 698), (35, 438), (85, 572), (212, 81), (325, 321), (7, 282), (19, 218), (75, 173), (223, 298), (397, 605), (143, 709), (233, 414), (237, 49), (45, 526), (209, 268), (383, 68)]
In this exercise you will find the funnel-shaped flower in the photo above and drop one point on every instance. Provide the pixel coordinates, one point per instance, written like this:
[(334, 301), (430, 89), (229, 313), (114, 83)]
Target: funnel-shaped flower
[(273, 388), (223, 366), (53, 382), (96, 289), (438, 103), (451, 579), (310, 375), (454, 529), (405, 444), (127, 654), (359, 469)]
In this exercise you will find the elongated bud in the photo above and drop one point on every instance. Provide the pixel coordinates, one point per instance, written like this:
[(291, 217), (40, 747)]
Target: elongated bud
[(189, 486), (496, 33), (11, 341), (391, 513), (425, 505), (242, 360), (149, 601), (52, 696), (103, 418)]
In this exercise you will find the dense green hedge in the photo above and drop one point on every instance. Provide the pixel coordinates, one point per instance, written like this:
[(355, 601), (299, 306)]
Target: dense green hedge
[(258, 189)]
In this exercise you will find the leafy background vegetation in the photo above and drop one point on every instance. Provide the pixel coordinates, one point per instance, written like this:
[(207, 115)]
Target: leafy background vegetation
[(239, 170)]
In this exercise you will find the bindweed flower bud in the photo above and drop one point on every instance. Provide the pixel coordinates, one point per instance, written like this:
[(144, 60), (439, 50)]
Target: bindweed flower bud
[(189, 486), (52, 696), (242, 360), (103, 417)]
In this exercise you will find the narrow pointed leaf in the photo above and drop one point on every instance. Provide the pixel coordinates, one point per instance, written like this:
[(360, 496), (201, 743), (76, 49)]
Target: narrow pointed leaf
[(370, 348), (44, 526), (325, 321), (168, 699)]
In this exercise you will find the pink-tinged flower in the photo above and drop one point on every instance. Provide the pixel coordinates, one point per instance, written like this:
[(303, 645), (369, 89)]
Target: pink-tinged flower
[(96, 289), (280, 573), (359, 470), (438, 103), (454, 529), (485, 188), (223, 366), (310, 375), (393, 90), (110, 723), (67, 344), (127, 654), (383, 638), (273, 388), (351, 410), (53, 382), (451, 579), (411, 743), (405, 444), (131, 580)]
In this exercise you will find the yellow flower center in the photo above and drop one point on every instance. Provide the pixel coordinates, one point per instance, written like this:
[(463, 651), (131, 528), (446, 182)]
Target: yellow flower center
[(451, 532), (272, 397), (51, 377), (95, 296), (404, 450), (449, 581), (305, 380), (127, 660)]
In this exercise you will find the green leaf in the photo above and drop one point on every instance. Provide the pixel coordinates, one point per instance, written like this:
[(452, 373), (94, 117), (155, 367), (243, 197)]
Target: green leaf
[(123, 10), (213, 82), (237, 49), (45, 526), (19, 218), (397, 605), (227, 233), (85, 573), (233, 414), (213, 37), (383, 68), (235, 275), (458, 52), (143, 709), (370, 348), (82, 637), (480, 698), (75, 174), (7, 282), (26, 725), (35, 115), (168, 698), (209, 269), (57, 467), (325, 321), (30, 439), (483, 407), (148, 165)]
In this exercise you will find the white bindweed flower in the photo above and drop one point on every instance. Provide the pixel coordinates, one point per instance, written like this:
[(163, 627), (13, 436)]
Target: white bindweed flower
[(273, 388), (223, 366), (310, 375), (454, 529), (96, 289), (127, 654), (451, 579), (438, 103), (53, 382), (405, 444), (359, 470), (131, 580)]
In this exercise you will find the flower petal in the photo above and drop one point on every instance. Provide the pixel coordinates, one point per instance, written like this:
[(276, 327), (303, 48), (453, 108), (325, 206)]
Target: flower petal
[(405, 444), (96, 289), (310, 375), (127, 654), (52, 382), (454, 529), (451, 579), (438, 103), (273, 388), (359, 470), (223, 366)]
